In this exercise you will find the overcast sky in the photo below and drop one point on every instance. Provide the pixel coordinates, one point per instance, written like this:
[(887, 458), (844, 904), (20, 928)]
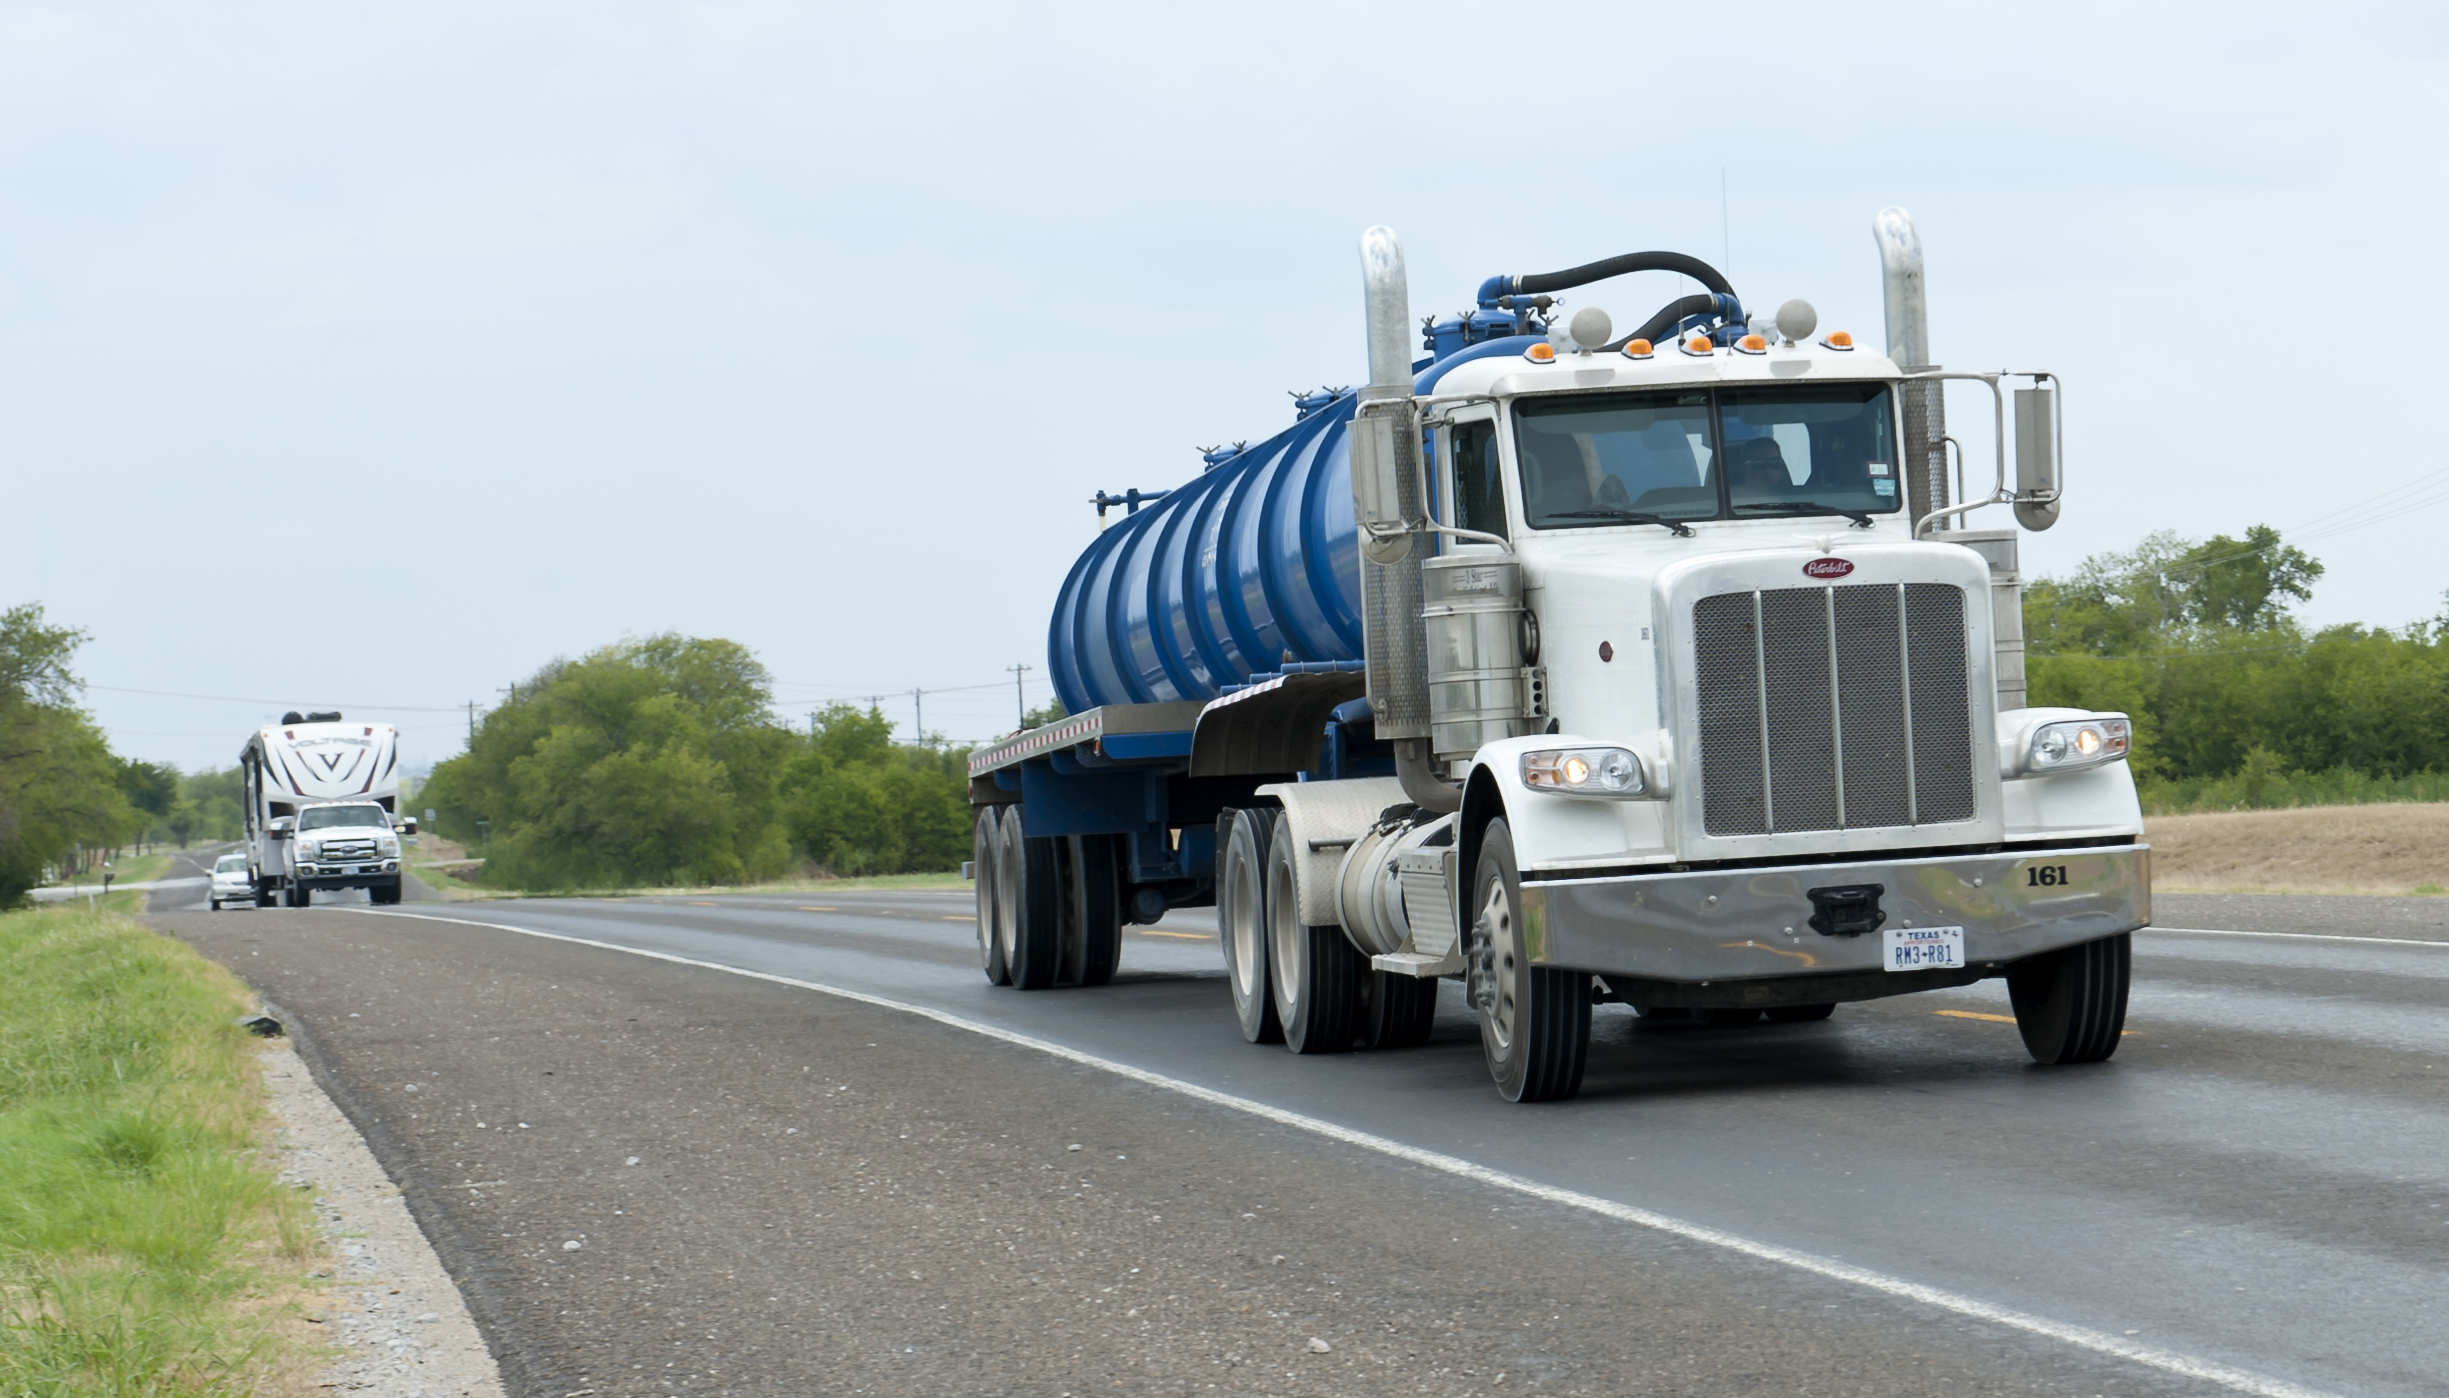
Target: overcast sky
[(376, 355)]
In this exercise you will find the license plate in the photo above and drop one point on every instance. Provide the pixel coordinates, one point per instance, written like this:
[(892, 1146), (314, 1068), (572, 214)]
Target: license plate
[(1923, 948)]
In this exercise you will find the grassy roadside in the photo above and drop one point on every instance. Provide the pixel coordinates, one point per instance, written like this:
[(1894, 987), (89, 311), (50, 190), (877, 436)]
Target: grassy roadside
[(140, 868), (145, 1248)]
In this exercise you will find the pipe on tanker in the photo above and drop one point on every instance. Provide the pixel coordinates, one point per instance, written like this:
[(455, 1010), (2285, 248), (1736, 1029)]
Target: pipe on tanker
[(1924, 404), (1657, 327), (1588, 272)]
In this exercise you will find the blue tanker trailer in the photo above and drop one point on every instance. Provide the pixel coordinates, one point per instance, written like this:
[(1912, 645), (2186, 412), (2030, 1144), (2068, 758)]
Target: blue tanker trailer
[(1575, 667)]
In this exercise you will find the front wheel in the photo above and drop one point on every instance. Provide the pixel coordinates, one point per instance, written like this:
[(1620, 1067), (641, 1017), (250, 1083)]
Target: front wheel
[(1534, 1020), (300, 896), (216, 903), (2070, 1004)]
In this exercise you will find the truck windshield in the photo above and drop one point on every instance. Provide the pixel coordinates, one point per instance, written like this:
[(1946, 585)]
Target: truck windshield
[(1803, 449), (333, 817)]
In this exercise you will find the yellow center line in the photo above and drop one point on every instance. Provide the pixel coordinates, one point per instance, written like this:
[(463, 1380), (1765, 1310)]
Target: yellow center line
[(942, 918), (1994, 1019), (694, 903), (807, 908), (1193, 936)]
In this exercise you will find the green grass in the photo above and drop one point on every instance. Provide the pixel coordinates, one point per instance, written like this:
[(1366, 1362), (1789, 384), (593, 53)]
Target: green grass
[(2262, 785), (137, 868), (145, 1249)]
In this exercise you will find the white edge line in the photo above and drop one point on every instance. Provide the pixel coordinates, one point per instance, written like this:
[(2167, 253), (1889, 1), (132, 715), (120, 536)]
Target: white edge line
[(2302, 936), (2097, 1341)]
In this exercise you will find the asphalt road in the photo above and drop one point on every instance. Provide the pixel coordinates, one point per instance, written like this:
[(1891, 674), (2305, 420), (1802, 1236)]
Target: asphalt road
[(839, 1196)]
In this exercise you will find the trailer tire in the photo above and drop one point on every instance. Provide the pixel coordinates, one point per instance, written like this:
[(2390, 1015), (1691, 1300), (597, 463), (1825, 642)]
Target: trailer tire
[(1534, 1020), (1313, 972), (215, 902), (985, 861), (1032, 906), (265, 895), (300, 896), (1397, 1011), (2070, 1004), (1801, 1014), (1096, 906), (1241, 921)]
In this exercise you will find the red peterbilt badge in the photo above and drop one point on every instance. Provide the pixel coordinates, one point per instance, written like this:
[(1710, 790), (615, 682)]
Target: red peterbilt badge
[(1827, 568)]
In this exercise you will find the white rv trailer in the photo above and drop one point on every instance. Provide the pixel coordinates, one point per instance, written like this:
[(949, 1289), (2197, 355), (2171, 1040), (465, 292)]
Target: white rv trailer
[(322, 798)]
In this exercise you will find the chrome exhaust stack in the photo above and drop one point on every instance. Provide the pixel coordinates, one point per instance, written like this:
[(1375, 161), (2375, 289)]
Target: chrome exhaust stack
[(1386, 505), (1924, 406)]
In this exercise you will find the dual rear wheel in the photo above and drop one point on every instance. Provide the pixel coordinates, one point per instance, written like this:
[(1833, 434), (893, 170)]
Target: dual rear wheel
[(1294, 982), (1049, 907)]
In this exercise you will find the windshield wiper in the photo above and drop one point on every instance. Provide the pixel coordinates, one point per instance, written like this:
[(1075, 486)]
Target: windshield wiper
[(1808, 507), (1674, 527)]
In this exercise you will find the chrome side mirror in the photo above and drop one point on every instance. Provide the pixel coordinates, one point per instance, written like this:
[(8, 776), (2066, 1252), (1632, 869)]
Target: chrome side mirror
[(2036, 457)]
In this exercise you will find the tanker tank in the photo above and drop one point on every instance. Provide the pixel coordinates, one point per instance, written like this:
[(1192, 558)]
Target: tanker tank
[(1256, 564)]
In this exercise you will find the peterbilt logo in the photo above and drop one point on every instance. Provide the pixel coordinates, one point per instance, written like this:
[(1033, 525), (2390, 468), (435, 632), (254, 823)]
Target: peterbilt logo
[(1827, 568)]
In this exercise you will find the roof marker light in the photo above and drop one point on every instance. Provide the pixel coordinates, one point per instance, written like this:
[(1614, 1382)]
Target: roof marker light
[(1752, 344), (1838, 340), (1698, 345), (1637, 349), (1541, 353)]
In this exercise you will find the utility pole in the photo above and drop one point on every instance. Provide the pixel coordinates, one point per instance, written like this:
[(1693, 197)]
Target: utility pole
[(918, 711), (471, 724), (1020, 702)]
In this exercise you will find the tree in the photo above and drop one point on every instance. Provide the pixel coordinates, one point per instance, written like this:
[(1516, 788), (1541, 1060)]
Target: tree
[(60, 785), (859, 803), (650, 761)]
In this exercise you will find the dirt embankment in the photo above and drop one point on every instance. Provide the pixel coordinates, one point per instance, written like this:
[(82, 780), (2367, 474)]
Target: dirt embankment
[(2312, 849)]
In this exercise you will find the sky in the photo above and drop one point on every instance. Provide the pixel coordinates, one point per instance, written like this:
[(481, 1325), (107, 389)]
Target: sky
[(376, 355)]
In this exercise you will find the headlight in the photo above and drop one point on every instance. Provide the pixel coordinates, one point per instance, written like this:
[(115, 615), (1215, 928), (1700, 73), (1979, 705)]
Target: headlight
[(391, 847), (2069, 745), (1612, 772)]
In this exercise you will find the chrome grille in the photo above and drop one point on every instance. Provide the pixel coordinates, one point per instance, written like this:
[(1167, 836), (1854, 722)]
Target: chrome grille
[(341, 850), (1833, 708)]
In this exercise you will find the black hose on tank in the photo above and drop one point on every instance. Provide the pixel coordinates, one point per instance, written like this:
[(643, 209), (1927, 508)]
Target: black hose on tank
[(1587, 273), (1699, 303)]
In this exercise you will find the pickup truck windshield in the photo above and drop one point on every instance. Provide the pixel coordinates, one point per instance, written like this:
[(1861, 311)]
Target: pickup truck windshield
[(332, 817), (1690, 454)]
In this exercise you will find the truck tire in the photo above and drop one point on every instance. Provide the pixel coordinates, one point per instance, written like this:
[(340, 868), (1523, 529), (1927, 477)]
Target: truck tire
[(2070, 1004), (300, 896), (1095, 888), (1534, 1020), (384, 893), (985, 860), (1396, 1012), (1241, 920), (1032, 906), (265, 894), (1313, 972), (215, 902)]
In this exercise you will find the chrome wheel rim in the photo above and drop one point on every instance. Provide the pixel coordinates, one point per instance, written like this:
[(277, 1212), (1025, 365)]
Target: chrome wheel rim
[(1284, 931), (1246, 931), (1497, 927)]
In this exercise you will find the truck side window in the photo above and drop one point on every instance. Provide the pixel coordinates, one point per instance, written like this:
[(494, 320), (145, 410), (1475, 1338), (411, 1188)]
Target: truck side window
[(1479, 500)]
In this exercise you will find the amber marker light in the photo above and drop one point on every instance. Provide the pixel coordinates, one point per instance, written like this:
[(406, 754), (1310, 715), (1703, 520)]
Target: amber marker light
[(1838, 340), (1752, 344), (1698, 344), (1541, 353), (1637, 349)]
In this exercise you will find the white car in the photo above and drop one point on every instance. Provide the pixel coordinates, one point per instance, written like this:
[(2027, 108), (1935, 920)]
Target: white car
[(230, 881)]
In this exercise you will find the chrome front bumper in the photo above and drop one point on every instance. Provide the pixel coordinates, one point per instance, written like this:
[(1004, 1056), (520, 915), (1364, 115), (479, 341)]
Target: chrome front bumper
[(1754, 923)]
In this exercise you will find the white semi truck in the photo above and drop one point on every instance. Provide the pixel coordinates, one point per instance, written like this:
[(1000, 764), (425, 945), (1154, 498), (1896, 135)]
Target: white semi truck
[(321, 799), (1654, 669)]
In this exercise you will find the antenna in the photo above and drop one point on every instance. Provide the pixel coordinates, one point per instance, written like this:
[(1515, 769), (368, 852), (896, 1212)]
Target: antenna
[(1726, 236)]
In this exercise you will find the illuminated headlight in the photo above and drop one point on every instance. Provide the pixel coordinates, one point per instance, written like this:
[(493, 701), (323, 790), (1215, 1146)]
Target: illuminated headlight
[(2069, 745), (1613, 772)]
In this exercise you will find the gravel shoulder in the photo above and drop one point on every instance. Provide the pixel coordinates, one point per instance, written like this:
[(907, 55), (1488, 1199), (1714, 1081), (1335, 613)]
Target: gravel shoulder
[(392, 1313), (655, 1179)]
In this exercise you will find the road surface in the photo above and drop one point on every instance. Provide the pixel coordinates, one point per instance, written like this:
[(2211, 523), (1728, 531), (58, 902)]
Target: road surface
[(845, 1195)]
